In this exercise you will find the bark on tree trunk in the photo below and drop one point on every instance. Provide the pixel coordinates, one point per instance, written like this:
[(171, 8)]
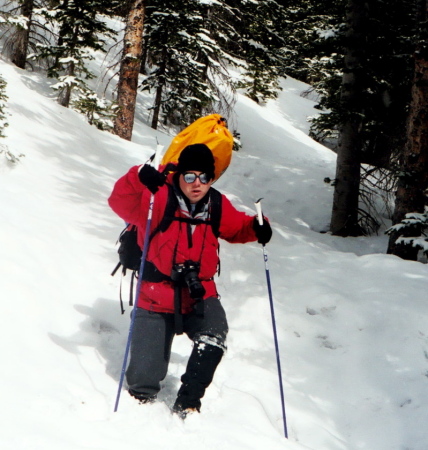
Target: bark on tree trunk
[(413, 184), (20, 51), (129, 70), (344, 219)]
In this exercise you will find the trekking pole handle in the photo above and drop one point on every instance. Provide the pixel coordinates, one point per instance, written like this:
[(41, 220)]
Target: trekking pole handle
[(157, 158), (258, 205), (154, 160)]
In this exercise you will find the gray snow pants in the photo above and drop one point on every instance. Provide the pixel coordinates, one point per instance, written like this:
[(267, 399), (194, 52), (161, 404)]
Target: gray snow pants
[(151, 343)]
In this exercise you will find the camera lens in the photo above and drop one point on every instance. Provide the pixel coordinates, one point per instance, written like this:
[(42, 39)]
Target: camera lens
[(191, 278), (195, 286), (188, 273)]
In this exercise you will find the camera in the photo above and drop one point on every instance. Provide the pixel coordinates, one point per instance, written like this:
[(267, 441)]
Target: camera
[(188, 274)]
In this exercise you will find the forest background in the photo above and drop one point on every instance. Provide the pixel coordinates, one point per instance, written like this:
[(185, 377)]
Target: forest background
[(365, 61)]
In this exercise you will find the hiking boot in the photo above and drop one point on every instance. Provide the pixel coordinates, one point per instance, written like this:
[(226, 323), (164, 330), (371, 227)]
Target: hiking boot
[(146, 400), (183, 413), (142, 399)]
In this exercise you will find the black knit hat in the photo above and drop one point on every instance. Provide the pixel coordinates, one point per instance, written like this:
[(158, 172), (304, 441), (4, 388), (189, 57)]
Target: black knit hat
[(197, 157)]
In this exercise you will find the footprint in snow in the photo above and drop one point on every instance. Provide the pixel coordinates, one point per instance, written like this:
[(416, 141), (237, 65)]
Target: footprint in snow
[(326, 343)]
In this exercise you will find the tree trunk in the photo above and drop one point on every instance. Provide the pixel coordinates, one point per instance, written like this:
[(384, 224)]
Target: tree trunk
[(129, 70), (413, 184), (64, 97), (157, 107), (20, 50), (344, 219), (161, 72)]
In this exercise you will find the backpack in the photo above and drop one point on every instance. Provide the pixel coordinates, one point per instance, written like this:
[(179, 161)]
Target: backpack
[(130, 252), (209, 130)]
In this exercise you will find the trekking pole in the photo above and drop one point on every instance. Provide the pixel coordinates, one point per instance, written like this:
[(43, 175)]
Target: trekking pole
[(155, 160), (278, 361)]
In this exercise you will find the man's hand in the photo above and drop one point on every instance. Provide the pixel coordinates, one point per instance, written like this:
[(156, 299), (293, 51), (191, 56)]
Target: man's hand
[(263, 232), (151, 178)]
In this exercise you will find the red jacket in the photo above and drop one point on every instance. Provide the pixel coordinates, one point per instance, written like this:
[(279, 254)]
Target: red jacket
[(130, 199)]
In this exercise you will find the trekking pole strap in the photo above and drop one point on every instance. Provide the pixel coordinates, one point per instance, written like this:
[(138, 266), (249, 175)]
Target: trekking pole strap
[(116, 268)]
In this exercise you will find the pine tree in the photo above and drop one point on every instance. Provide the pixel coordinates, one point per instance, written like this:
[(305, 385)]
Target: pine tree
[(185, 60), (384, 93), (409, 236), (166, 63), (344, 220), (19, 56), (386, 86), (80, 34), (262, 48), (411, 196), (99, 111), (310, 29), (24, 29)]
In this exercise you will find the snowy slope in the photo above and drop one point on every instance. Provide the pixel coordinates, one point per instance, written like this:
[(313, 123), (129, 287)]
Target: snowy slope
[(352, 321)]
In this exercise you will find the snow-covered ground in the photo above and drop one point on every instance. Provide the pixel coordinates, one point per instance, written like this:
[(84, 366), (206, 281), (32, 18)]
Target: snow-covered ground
[(352, 322)]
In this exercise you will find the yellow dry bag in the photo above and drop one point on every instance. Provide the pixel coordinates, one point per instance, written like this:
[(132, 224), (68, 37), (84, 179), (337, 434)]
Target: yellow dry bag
[(209, 130)]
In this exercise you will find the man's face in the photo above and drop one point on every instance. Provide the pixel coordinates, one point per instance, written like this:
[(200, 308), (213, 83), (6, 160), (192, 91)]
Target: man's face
[(196, 190)]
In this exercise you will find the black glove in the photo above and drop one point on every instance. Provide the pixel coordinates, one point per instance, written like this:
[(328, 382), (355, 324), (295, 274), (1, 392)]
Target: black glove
[(151, 178), (263, 232)]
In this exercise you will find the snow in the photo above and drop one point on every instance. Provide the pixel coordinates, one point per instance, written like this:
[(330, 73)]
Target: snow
[(351, 320)]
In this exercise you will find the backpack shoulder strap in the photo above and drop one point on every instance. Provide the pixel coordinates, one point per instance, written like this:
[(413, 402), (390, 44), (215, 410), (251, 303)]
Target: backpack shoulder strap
[(215, 213), (169, 213)]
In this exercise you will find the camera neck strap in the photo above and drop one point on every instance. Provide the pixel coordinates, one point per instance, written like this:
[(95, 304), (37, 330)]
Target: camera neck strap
[(178, 317)]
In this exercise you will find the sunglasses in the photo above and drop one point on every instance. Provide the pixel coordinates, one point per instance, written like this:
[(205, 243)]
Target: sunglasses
[(190, 177)]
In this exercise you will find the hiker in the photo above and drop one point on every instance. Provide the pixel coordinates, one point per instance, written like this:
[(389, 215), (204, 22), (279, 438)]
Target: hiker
[(178, 293)]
